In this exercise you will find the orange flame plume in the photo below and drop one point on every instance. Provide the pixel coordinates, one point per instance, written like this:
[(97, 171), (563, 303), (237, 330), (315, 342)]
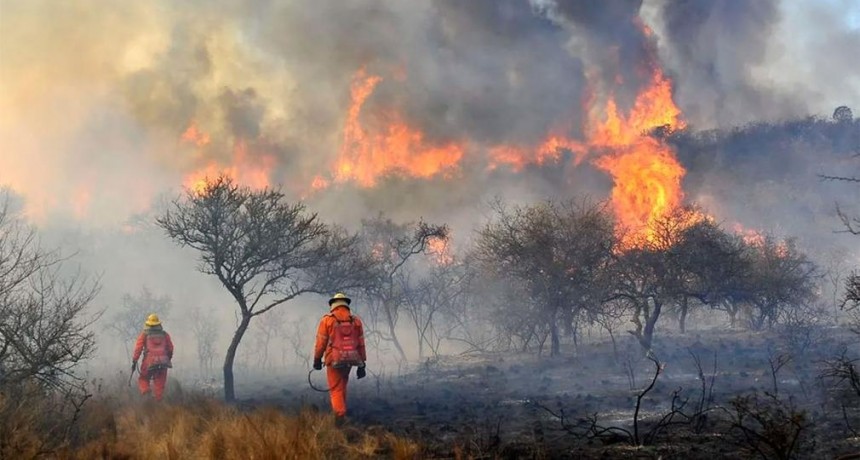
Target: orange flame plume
[(252, 172), (646, 172), (367, 155), (440, 250)]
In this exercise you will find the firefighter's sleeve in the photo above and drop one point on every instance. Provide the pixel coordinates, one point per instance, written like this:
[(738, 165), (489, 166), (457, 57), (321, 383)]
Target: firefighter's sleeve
[(322, 339), (138, 346), (169, 346), (361, 350)]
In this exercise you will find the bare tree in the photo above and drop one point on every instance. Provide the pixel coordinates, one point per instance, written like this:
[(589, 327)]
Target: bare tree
[(835, 268), (685, 258), (851, 297), (43, 328), (263, 250), (205, 330), (782, 278), (295, 335), (392, 246), (266, 332), (714, 267), (556, 253), (469, 322), (438, 291)]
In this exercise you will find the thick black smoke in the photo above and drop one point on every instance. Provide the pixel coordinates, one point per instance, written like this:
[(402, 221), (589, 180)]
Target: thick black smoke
[(713, 47)]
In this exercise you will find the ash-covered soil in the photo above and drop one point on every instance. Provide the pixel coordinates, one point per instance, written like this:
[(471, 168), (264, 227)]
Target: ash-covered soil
[(510, 405)]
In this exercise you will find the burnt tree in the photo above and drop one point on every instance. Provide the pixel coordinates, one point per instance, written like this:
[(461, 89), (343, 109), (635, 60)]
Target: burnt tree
[(433, 295), (715, 268), (555, 253), (264, 250), (781, 278), (851, 297), (683, 257), (391, 247)]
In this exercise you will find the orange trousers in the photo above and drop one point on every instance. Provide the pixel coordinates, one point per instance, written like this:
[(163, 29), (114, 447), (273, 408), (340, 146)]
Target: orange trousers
[(338, 378), (158, 377)]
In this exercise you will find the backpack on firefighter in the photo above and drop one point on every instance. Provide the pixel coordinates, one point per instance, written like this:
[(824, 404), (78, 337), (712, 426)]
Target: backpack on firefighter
[(155, 350), (344, 344)]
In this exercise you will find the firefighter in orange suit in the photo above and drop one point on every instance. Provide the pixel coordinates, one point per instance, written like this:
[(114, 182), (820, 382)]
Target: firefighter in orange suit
[(340, 340), (157, 349)]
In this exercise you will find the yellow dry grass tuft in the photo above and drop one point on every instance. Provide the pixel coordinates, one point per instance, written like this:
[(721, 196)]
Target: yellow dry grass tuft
[(208, 429), (114, 426)]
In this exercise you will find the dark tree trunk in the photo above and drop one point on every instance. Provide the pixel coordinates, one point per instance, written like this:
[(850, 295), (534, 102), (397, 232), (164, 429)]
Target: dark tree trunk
[(614, 344), (733, 318), (389, 317), (682, 319), (647, 336), (229, 393), (555, 342)]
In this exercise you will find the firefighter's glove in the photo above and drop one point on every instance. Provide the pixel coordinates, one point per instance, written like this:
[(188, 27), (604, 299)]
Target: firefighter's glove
[(318, 364), (360, 372), (133, 366)]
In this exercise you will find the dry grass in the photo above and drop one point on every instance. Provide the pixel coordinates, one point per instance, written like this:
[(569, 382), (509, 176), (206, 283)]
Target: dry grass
[(195, 427), (18, 438), (212, 430)]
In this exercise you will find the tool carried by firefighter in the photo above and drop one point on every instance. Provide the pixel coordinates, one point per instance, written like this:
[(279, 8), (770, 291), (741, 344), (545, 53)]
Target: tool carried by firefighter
[(131, 374), (314, 387)]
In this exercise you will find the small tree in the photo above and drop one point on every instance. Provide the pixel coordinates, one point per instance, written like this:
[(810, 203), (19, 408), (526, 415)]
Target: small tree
[(686, 257), (269, 331), (391, 246), (843, 114), (44, 335), (263, 250), (851, 297), (205, 330), (781, 278), (443, 286), (556, 253), (715, 267), (43, 331)]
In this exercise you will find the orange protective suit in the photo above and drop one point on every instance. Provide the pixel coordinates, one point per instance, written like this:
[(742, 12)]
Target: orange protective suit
[(157, 349), (338, 378)]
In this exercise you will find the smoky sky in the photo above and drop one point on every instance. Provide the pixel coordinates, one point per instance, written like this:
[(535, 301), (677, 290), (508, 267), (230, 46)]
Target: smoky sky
[(95, 98), (714, 45), (101, 95)]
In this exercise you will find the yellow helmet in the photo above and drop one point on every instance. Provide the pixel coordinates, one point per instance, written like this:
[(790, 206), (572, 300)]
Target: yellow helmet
[(339, 300), (152, 320)]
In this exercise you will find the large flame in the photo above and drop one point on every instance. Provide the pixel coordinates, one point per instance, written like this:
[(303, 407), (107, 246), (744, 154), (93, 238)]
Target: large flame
[(243, 169), (761, 241), (368, 154), (646, 173), (517, 157)]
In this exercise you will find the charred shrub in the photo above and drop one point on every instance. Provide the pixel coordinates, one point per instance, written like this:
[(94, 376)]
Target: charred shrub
[(769, 427)]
